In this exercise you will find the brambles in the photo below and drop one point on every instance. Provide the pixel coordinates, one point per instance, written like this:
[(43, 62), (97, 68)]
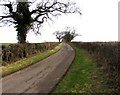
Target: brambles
[(14, 52), (107, 58)]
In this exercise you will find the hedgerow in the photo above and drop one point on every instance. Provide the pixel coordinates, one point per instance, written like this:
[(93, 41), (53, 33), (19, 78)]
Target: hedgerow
[(107, 59), (15, 52)]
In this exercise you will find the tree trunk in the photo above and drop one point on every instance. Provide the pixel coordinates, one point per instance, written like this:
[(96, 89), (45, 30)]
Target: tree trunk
[(22, 33), (23, 21), (59, 40)]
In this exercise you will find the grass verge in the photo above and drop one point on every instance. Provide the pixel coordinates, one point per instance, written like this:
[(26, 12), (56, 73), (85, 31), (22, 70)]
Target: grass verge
[(23, 63), (82, 77)]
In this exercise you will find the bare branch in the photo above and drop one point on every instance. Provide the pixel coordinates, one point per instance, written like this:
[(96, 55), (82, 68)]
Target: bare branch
[(2, 17), (55, 9), (40, 22)]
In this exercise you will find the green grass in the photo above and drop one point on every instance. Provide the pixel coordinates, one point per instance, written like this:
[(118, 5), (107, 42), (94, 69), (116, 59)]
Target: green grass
[(82, 77), (23, 63)]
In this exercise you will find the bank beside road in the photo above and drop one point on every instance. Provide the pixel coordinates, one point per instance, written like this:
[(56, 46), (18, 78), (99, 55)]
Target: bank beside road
[(83, 76)]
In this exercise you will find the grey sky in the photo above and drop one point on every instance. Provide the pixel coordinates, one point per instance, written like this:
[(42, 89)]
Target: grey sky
[(99, 22)]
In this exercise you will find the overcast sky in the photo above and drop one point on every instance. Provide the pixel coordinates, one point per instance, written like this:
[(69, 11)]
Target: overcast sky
[(99, 22)]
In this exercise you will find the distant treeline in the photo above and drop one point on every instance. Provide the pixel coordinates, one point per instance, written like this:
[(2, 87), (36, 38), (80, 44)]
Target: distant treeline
[(15, 52), (107, 55)]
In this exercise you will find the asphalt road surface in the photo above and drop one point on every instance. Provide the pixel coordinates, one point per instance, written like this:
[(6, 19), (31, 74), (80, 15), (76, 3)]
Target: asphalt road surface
[(41, 77)]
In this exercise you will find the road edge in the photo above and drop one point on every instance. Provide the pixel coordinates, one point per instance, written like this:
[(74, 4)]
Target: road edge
[(50, 93)]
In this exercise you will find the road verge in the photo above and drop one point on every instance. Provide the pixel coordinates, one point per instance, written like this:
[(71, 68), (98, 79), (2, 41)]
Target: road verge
[(21, 64)]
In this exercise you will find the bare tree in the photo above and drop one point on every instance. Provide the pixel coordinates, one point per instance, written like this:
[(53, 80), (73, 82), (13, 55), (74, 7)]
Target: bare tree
[(59, 35), (69, 34), (24, 19)]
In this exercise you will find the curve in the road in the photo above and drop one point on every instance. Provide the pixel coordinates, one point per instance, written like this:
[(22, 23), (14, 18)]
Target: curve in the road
[(42, 76)]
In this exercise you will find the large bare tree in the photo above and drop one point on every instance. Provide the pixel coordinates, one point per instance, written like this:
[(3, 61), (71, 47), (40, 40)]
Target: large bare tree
[(26, 18)]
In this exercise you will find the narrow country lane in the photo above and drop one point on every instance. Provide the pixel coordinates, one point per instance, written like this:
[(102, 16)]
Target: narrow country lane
[(42, 76)]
